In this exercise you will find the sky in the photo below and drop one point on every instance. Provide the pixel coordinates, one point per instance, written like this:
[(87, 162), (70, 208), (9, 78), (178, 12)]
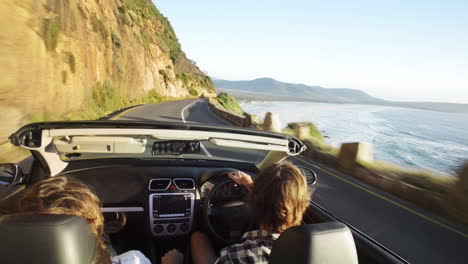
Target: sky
[(392, 49)]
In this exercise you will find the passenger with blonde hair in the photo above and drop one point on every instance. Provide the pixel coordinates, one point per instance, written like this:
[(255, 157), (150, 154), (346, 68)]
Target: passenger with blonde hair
[(279, 196), (68, 196)]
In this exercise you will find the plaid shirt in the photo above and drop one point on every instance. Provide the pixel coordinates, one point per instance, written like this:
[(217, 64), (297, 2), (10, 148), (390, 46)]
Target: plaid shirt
[(255, 248)]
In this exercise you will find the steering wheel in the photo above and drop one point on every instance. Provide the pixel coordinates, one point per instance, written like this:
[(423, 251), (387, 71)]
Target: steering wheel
[(233, 215)]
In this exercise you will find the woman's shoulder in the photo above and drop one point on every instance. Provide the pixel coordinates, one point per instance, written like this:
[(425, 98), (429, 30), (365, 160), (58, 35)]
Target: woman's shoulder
[(131, 257)]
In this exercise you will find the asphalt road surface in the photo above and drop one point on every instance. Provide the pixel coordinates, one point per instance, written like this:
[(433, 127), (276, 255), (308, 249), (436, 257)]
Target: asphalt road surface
[(417, 235)]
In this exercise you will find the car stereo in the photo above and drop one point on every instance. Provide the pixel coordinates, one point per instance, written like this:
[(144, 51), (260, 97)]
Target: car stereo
[(171, 213)]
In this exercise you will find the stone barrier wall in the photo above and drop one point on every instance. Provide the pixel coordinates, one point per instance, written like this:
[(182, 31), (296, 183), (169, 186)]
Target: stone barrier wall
[(448, 203), (404, 191), (246, 120)]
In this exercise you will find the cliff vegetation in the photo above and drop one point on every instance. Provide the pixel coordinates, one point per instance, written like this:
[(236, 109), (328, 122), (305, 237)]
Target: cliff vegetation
[(62, 59), (229, 103)]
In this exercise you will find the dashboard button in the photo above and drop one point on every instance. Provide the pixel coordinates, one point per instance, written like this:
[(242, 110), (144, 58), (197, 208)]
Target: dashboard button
[(184, 227), (171, 228), (158, 229)]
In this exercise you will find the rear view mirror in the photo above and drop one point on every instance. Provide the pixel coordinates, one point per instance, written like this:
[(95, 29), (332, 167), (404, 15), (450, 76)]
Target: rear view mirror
[(9, 174)]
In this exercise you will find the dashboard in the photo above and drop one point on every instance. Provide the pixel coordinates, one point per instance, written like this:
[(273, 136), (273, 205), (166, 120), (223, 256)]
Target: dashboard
[(171, 206), (169, 197), (168, 194)]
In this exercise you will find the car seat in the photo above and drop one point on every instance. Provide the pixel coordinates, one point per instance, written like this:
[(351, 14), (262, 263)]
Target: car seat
[(52, 239), (330, 242)]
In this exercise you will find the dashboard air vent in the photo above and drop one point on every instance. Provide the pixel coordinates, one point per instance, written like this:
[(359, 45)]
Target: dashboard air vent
[(159, 184), (184, 184)]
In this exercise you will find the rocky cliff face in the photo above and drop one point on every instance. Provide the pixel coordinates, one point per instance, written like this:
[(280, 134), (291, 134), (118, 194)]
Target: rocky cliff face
[(55, 54)]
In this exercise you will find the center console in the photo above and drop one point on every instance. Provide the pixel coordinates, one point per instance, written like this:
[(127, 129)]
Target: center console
[(171, 206)]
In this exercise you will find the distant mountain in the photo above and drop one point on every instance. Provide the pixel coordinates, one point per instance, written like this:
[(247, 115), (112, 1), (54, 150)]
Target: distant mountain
[(268, 89)]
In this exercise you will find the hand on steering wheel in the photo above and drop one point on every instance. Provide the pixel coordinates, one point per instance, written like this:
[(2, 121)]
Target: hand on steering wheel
[(243, 179), (233, 214)]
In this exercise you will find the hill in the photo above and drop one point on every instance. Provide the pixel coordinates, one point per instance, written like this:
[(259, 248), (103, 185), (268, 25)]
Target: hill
[(63, 59), (268, 89), (274, 90)]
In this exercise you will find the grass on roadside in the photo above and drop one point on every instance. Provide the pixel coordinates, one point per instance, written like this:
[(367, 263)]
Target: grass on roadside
[(12, 154), (104, 100), (419, 178), (314, 133), (229, 103)]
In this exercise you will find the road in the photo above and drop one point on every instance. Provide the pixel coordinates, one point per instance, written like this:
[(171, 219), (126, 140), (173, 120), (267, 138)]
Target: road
[(417, 235)]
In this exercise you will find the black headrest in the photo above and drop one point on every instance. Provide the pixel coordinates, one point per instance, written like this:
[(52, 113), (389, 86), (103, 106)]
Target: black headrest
[(52, 239), (330, 243)]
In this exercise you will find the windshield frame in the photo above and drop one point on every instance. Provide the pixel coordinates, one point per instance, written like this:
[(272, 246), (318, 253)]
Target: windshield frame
[(39, 137)]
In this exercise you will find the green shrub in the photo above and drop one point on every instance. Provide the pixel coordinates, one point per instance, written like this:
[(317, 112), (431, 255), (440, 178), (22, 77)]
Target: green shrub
[(193, 92), (152, 97), (118, 64), (105, 99), (143, 7), (82, 11), (132, 15), (229, 103), (125, 19), (71, 62), (144, 39), (34, 118), (183, 78), (64, 77), (51, 31), (147, 10), (164, 75), (122, 9), (41, 116), (208, 83), (314, 132), (116, 39), (98, 26), (105, 96)]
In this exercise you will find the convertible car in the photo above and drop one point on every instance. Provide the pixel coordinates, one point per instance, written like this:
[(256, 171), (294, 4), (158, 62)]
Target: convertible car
[(159, 182)]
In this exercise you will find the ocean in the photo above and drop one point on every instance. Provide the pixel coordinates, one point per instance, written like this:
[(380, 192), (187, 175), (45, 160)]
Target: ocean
[(430, 140)]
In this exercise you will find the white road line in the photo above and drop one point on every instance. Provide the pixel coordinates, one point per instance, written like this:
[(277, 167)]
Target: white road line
[(182, 112), (205, 150), (183, 120)]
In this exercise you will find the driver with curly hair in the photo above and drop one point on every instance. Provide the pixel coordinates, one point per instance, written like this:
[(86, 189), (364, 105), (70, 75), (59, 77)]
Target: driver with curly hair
[(279, 196)]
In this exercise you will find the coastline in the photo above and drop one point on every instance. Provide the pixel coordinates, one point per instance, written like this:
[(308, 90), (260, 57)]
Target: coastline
[(415, 143)]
